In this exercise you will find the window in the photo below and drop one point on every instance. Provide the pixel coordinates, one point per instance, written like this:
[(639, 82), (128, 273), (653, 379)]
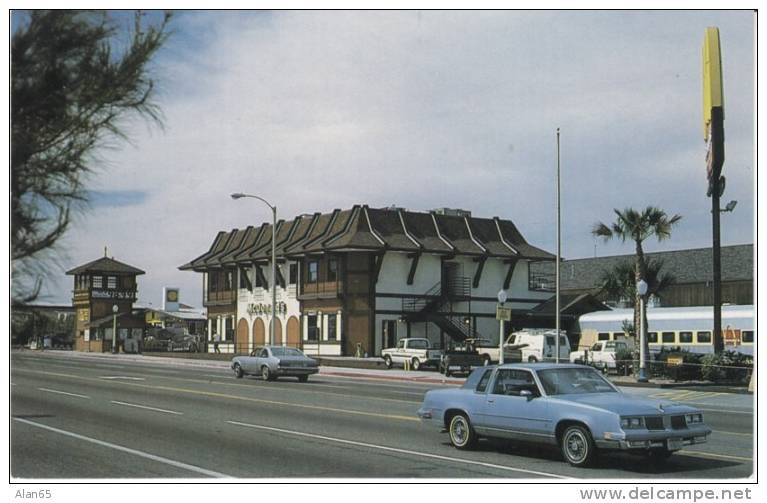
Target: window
[(245, 280), (259, 277), (704, 337), (401, 344), (685, 337), (313, 270), (331, 327), (293, 273), (652, 337), (482, 385), (111, 282), (618, 335), (669, 337), (229, 327), (312, 331), (748, 336), (418, 344), (228, 284), (332, 269), (97, 282), (513, 381), (603, 336)]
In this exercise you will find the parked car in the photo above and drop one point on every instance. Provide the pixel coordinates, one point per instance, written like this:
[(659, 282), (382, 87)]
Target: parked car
[(464, 357), (271, 362), (601, 354), (538, 345), (415, 351), (572, 406)]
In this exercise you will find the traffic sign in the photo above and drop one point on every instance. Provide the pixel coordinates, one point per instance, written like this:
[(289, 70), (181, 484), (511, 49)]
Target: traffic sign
[(503, 313)]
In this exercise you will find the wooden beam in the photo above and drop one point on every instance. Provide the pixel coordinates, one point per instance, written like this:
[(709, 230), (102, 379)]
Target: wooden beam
[(480, 267), (413, 266), (509, 273), (378, 257)]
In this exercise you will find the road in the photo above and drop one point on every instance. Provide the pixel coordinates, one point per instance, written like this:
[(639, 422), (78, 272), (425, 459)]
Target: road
[(99, 418)]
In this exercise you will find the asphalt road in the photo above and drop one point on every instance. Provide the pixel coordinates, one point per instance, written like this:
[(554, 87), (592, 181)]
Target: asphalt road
[(96, 418)]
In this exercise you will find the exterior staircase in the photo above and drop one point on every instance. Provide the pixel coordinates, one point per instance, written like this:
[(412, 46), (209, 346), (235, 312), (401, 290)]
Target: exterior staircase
[(431, 307)]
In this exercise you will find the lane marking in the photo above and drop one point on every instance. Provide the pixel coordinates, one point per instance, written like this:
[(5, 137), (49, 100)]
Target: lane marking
[(702, 454), (395, 449), (733, 433), (237, 397), (63, 393), (147, 407), (129, 378), (153, 457), (427, 385), (725, 411)]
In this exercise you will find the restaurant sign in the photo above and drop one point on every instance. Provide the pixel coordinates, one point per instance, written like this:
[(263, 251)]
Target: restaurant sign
[(113, 294)]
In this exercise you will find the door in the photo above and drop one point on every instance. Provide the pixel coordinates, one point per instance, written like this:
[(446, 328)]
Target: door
[(508, 414), (389, 331)]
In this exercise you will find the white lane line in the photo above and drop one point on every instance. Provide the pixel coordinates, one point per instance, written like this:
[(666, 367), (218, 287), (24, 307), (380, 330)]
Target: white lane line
[(146, 407), (219, 376), (733, 433), (63, 393), (129, 378), (394, 449), (703, 454), (178, 464), (725, 411)]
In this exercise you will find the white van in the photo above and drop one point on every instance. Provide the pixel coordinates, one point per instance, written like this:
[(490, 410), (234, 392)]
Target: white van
[(539, 344)]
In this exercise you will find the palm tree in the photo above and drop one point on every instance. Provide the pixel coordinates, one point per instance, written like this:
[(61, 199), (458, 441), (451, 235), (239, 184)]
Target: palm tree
[(619, 282), (638, 226)]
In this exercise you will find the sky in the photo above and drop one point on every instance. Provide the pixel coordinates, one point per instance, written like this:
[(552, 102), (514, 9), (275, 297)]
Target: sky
[(316, 110)]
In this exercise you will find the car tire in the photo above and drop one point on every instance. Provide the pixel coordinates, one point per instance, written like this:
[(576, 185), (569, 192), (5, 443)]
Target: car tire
[(266, 373), (303, 378), (577, 446), (387, 361), (462, 434), (238, 373), (416, 364)]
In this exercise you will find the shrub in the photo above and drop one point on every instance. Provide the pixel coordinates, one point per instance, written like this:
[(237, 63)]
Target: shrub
[(727, 366)]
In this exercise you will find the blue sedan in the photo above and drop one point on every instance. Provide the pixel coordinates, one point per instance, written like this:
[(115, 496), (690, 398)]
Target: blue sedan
[(572, 406)]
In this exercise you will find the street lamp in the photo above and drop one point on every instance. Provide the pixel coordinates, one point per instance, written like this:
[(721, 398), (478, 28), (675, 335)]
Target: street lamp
[(114, 328), (642, 290), (239, 195)]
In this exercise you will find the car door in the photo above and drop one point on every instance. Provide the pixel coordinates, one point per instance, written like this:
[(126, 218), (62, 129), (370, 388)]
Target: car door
[(508, 413)]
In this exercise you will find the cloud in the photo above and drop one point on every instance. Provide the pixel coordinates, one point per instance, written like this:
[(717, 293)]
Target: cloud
[(322, 110)]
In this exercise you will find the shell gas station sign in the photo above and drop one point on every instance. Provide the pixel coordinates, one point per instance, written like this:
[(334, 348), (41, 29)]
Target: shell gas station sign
[(713, 109)]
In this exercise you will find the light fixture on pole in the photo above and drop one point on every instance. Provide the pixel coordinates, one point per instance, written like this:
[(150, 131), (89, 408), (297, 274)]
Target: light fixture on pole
[(114, 328), (642, 291), (502, 297), (239, 195)]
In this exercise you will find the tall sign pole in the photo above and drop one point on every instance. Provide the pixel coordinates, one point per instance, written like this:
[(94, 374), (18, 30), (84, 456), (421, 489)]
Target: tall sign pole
[(559, 244), (713, 134)]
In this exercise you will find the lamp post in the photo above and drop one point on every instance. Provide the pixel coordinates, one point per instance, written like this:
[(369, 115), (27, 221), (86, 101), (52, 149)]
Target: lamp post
[(239, 195), (114, 328), (642, 290)]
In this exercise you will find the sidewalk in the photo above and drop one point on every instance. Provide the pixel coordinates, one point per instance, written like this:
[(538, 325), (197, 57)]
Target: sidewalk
[(371, 368)]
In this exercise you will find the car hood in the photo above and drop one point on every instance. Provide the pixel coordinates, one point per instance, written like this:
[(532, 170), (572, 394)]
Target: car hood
[(623, 404)]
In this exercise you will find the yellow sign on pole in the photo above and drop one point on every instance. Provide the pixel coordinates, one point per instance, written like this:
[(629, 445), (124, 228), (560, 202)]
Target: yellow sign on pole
[(713, 94)]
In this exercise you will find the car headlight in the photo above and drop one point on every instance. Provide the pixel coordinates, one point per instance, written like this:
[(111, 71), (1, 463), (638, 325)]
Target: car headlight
[(632, 423), (694, 418)]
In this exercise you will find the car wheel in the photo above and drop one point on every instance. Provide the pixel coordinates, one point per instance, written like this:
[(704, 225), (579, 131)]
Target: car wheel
[(238, 373), (303, 378), (416, 364), (387, 361), (577, 446), (266, 373), (462, 435)]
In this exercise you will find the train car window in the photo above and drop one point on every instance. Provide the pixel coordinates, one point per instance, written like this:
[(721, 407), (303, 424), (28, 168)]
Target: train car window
[(685, 337), (704, 337), (669, 337), (747, 336), (618, 335), (603, 336), (652, 337)]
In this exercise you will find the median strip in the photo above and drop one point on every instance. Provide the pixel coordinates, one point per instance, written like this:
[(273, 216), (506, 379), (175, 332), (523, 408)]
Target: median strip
[(395, 449), (146, 455)]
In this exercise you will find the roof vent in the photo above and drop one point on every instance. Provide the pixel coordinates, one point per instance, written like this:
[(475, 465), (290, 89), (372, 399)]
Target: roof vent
[(453, 212)]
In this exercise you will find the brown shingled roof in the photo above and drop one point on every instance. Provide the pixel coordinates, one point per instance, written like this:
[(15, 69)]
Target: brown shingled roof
[(106, 265)]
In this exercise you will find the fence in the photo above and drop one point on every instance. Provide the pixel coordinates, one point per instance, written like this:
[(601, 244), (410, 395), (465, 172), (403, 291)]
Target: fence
[(687, 371)]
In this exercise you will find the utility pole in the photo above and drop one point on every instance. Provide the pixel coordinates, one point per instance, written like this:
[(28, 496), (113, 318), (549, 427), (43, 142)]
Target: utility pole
[(559, 253)]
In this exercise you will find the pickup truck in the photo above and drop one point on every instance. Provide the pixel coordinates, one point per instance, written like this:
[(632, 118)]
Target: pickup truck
[(600, 355), (416, 351)]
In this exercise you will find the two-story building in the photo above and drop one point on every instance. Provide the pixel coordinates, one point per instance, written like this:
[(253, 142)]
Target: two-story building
[(357, 280)]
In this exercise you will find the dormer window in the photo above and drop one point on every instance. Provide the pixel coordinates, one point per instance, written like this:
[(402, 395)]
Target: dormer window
[(112, 282), (97, 282)]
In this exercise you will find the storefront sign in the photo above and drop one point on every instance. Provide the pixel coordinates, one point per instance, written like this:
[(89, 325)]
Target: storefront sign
[(256, 309), (113, 294)]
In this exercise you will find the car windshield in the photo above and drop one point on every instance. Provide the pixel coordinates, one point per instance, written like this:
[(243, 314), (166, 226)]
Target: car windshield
[(286, 352), (573, 381)]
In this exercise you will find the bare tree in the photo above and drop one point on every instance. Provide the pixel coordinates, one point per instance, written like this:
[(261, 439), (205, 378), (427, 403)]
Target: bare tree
[(73, 82)]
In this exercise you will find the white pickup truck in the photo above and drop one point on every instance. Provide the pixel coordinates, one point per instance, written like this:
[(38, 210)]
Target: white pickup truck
[(416, 352), (601, 354)]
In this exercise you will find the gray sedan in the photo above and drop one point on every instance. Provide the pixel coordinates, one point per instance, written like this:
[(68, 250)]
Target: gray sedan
[(271, 362), (572, 406)]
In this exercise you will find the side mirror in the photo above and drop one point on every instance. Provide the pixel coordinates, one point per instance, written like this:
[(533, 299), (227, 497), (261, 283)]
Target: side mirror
[(526, 393)]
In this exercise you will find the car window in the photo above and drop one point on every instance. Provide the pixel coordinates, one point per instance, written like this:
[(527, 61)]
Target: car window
[(286, 352), (550, 340), (573, 381), (596, 347), (418, 344), (482, 385), (264, 353), (609, 344), (512, 381), (401, 344)]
